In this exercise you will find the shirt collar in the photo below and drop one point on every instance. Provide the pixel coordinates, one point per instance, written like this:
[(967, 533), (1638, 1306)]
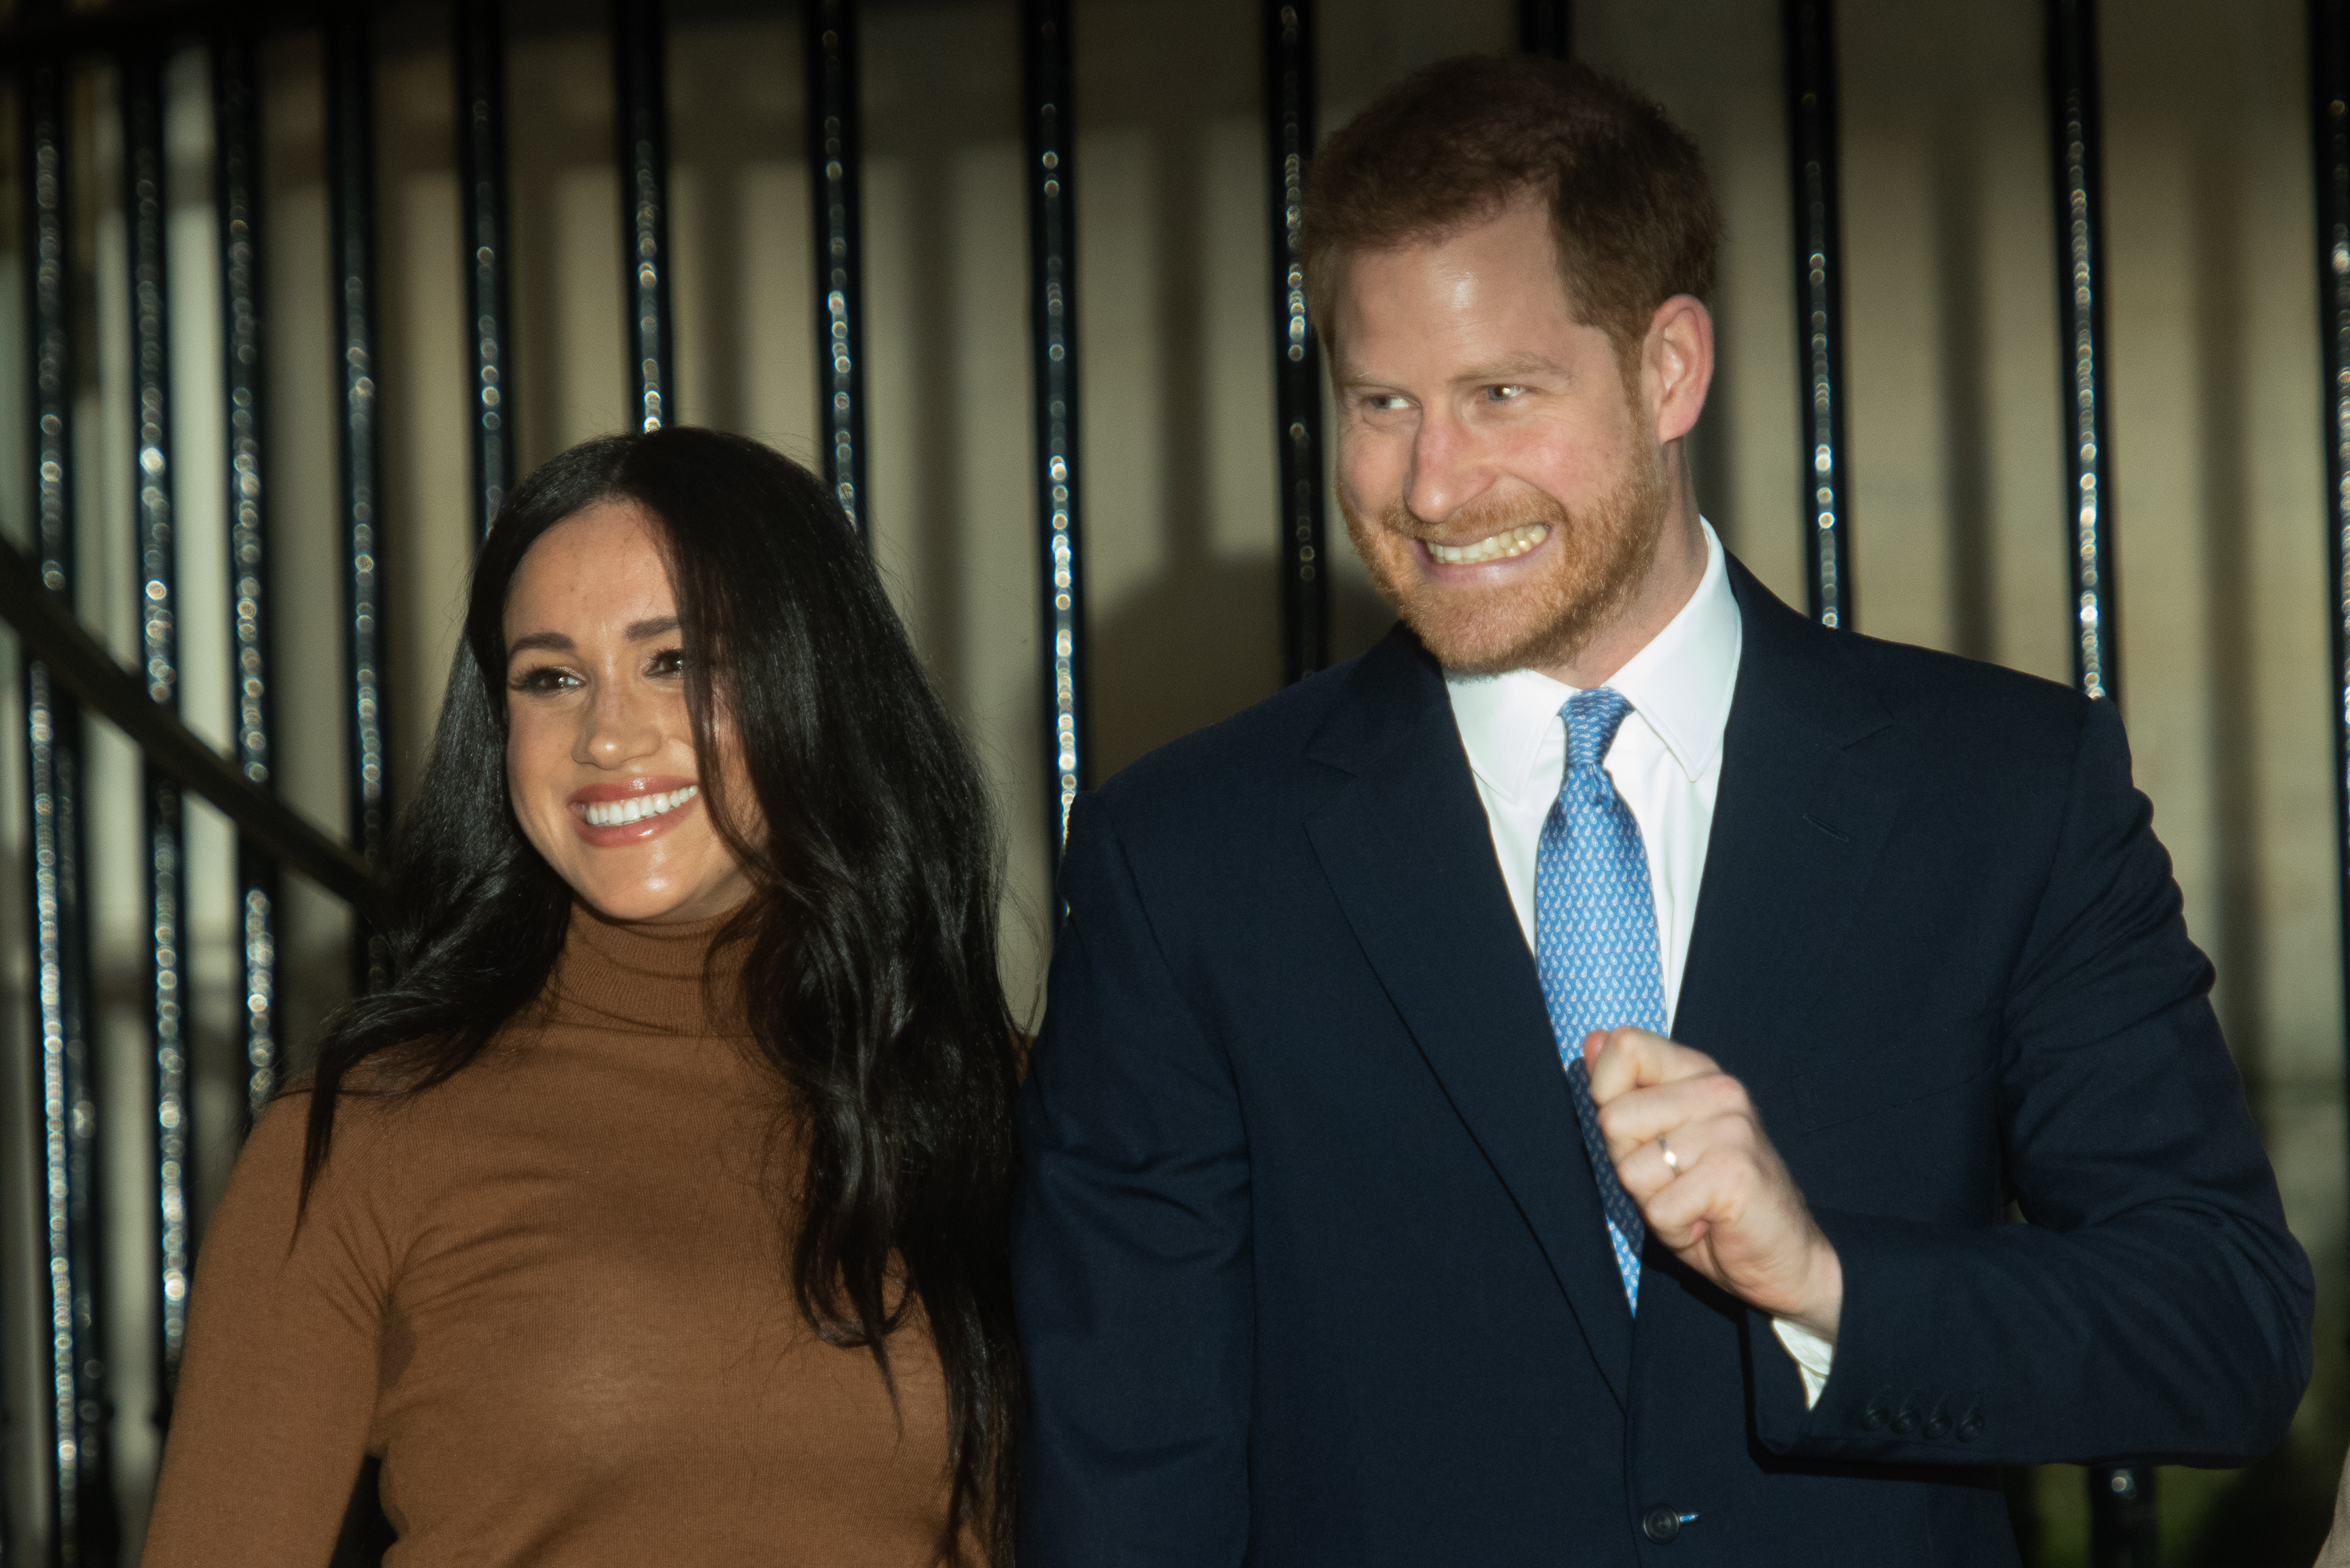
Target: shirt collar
[(1680, 683)]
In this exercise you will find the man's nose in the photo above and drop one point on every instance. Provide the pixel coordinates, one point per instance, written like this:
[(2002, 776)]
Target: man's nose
[(1448, 469), (617, 728)]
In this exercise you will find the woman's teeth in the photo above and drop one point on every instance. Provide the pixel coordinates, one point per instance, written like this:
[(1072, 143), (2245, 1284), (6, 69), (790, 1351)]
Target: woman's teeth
[(620, 813), (1499, 547)]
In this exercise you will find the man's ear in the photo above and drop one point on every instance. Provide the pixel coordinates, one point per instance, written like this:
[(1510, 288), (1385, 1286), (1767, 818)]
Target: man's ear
[(1677, 365)]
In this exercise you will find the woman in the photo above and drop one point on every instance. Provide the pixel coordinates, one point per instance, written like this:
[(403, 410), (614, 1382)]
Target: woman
[(656, 1211)]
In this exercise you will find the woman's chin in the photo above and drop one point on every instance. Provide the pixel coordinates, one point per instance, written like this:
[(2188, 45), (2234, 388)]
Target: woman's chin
[(640, 903)]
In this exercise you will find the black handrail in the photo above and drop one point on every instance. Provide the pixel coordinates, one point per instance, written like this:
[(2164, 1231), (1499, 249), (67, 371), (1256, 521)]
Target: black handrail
[(54, 636)]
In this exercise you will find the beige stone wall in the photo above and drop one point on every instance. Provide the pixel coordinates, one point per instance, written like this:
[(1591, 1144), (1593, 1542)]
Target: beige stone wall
[(1957, 502)]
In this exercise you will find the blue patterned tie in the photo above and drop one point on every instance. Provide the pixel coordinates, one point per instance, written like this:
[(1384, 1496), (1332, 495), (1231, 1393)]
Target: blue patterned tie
[(1595, 938)]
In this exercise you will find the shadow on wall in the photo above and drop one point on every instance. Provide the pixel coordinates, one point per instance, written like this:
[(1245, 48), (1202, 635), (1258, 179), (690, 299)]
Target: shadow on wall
[(1213, 612)]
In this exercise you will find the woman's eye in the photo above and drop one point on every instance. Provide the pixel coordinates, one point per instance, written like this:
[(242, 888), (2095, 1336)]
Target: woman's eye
[(543, 681), (669, 662)]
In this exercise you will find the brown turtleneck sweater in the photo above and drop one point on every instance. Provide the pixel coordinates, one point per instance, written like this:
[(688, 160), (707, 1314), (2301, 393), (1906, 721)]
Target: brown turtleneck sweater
[(551, 1295)]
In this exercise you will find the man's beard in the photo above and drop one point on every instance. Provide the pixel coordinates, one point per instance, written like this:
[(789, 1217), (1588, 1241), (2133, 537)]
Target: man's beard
[(1600, 556)]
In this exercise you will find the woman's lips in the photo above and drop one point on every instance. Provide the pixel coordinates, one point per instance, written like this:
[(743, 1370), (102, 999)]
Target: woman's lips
[(614, 815)]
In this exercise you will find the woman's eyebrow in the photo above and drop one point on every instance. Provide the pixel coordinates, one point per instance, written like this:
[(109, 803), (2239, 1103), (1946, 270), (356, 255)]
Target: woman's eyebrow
[(555, 642)]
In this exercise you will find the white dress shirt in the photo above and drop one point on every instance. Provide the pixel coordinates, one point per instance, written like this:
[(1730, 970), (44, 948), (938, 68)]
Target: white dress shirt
[(1664, 762)]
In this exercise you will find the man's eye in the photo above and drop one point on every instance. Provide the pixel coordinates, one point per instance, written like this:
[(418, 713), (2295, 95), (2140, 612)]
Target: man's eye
[(546, 679), (1386, 402), (1503, 394)]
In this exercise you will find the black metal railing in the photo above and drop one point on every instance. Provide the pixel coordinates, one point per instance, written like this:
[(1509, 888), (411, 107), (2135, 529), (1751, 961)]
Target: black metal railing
[(1296, 354), (367, 625), (1046, 76), (2075, 158), (477, 44), (829, 42), (1813, 157), (2329, 122), (2124, 1529), (81, 1497), (236, 194), (640, 114), (67, 670)]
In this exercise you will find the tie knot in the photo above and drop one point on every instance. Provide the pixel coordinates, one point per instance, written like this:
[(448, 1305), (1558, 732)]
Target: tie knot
[(1591, 720)]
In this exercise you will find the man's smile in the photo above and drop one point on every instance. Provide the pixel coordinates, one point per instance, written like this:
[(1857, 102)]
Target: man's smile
[(1503, 547)]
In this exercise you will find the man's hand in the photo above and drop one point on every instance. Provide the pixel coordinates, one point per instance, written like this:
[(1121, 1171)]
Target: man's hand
[(1723, 1203)]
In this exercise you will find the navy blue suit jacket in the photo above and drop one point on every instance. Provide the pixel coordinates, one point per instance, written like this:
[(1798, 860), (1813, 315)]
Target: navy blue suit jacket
[(1310, 1265)]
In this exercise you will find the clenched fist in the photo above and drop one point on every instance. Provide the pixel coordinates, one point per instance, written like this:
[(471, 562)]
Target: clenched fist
[(1724, 1201)]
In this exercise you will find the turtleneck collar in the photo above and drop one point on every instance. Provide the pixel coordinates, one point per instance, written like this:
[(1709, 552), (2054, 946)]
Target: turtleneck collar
[(635, 978)]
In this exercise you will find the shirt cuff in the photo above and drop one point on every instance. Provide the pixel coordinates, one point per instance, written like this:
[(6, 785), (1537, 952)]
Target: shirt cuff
[(1814, 1356)]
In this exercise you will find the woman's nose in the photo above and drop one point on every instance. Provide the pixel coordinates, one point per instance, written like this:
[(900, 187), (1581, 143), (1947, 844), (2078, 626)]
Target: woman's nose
[(618, 727)]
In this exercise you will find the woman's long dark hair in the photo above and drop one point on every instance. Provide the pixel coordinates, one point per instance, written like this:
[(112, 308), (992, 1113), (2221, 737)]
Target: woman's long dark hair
[(870, 938)]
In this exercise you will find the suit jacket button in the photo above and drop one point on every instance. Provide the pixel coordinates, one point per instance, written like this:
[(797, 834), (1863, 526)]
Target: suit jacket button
[(1661, 1522), (1936, 1423), (1971, 1427), (1872, 1416), (1905, 1420)]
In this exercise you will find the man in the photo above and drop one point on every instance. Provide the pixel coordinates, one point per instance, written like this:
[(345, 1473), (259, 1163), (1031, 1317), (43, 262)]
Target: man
[(1550, 1091)]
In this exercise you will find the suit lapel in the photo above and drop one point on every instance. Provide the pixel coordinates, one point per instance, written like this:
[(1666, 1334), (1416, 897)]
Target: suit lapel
[(1410, 857), (1798, 823)]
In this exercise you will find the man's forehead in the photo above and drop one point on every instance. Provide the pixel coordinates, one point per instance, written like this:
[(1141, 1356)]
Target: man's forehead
[(1489, 300), (1520, 221)]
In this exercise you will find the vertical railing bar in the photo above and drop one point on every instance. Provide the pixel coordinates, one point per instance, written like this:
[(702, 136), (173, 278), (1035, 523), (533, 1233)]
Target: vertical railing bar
[(2124, 1532), (2075, 158), (1810, 87), (1543, 28), (155, 591), (1046, 81), (2329, 113), (834, 137), (640, 105), (85, 1526), (479, 50), (350, 173), (1288, 29), (236, 191)]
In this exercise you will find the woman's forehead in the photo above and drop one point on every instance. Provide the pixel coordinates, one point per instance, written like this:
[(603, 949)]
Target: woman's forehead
[(604, 566)]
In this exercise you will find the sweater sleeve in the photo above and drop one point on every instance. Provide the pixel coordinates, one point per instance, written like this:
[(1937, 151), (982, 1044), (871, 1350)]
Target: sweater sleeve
[(279, 1384)]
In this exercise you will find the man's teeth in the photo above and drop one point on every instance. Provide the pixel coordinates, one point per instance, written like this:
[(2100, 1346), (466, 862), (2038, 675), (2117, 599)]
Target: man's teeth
[(620, 813), (1499, 547)]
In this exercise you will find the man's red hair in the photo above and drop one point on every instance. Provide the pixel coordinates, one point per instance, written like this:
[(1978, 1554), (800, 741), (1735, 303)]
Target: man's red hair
[(1451, 144)]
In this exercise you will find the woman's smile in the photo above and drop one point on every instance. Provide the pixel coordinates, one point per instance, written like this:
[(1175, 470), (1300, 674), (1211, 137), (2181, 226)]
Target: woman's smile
[(610, 816)]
